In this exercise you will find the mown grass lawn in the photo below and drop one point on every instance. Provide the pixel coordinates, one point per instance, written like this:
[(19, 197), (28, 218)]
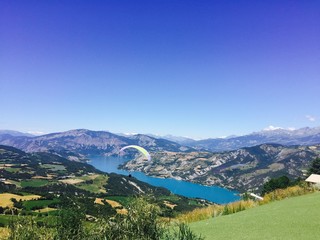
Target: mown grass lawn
[(293, 218)]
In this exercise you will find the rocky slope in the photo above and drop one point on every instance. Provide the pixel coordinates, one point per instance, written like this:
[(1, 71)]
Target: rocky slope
[(243, 169)]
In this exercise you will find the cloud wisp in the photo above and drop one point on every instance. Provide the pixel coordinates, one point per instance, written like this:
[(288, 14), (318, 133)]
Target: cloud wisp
[(311, 118)]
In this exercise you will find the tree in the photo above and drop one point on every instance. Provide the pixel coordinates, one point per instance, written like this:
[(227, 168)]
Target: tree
[(276, 183), (315, 166)]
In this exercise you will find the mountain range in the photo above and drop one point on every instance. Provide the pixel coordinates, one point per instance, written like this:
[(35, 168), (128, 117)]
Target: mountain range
[(242, 163), (303, 136), (81, 143), (103, 142)]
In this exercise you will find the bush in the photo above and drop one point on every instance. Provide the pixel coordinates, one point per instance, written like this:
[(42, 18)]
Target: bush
[(27, 229), (141, 222), (70, 224), (280, 194)]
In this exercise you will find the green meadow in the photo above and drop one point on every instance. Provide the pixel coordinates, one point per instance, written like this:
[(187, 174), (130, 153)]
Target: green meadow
[(292, 218), (34, 183)]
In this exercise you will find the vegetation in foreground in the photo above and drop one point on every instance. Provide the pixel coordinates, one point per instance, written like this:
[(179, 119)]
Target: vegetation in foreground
[(141, 222), (292, 218), (273, 190), (221, 210)]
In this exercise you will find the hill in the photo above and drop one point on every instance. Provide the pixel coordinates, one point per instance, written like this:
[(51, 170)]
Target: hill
[(242, 169), (15, 133), (293, 218)]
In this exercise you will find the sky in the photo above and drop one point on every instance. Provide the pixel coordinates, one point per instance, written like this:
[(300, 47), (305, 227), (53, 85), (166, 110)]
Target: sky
[(188, 68)]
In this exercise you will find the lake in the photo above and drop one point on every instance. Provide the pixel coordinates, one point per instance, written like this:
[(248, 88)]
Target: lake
[(214, 194)]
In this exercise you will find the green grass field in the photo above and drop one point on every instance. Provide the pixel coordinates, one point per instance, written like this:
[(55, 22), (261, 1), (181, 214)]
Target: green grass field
[(38, 203), (98, 181), (34, 183), (124, 201), (293, 218), (54, 167)]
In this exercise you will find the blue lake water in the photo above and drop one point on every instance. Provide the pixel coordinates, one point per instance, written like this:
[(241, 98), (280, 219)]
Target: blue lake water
[(188, 189)]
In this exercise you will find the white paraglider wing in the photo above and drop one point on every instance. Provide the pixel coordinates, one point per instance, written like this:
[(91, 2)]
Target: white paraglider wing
[(141, 149)]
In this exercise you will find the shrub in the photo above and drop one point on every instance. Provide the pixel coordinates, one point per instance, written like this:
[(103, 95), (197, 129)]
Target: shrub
[(280, 194), (141, 222), (70, 224), (183, 233), (27, 229)]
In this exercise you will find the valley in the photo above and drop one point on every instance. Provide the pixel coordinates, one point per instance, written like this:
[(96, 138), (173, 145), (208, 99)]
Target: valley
[(43, 183), (246, 168)]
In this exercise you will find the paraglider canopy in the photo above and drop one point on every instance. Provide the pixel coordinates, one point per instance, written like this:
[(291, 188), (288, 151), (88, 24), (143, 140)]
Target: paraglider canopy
[(141, 149)]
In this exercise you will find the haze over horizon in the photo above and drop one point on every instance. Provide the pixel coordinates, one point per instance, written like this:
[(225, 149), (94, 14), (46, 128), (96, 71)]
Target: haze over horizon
[(168, 136), (201, 69)]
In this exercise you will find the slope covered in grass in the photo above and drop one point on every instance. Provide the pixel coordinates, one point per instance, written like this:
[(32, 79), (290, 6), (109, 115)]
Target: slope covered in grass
[(293, 218)]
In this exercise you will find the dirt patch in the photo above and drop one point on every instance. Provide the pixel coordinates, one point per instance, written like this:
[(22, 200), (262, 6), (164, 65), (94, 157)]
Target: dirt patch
[(72, 181), (42, 177), (113, 204), (169, 204), (46, 209)]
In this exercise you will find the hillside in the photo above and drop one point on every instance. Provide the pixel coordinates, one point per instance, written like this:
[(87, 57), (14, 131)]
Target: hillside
[(56, 181), (81, 143), (243, 169), (293, 218)]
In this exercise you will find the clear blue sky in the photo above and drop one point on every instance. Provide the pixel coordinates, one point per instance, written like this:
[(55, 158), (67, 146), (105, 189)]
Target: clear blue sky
[(189, 68)]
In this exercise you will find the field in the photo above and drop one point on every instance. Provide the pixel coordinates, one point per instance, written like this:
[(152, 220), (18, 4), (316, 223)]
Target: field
[(34, 183), (54, 167), (92, 183), (293, 218), (124, 201), (6, 202), (29, 205)]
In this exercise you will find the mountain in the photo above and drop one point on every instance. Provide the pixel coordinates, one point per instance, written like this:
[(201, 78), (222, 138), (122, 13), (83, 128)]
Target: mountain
[(81, 143), (303, 136), (15, 133), (242, 169), (177, 139)]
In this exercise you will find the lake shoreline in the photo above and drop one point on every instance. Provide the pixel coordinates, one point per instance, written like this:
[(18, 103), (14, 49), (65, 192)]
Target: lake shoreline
[(213, 194)]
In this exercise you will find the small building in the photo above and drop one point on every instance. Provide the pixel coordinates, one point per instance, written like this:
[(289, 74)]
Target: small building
[(315, 179)]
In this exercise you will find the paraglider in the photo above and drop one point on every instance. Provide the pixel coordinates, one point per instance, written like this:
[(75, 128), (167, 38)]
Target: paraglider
[(141, 149)]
